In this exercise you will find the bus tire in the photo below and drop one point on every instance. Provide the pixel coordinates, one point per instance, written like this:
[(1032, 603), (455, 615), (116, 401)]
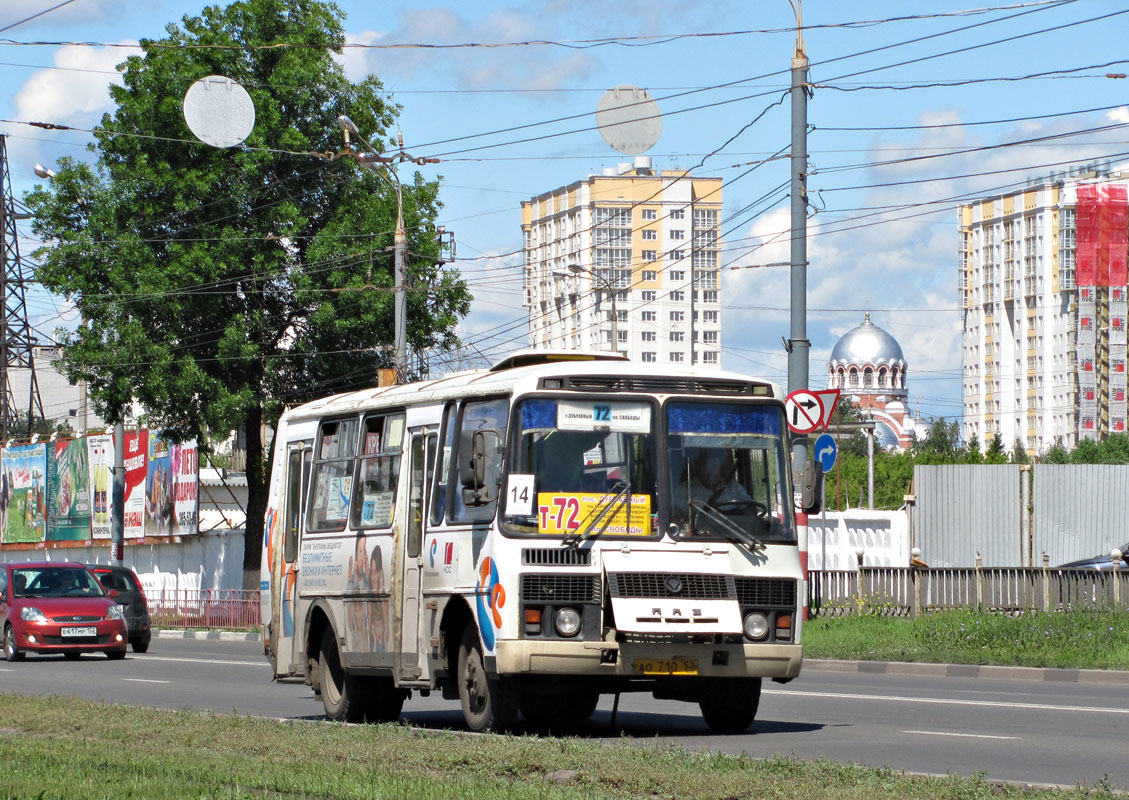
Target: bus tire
[(382, 700), (730, 706), (489, 704), (341, 693)]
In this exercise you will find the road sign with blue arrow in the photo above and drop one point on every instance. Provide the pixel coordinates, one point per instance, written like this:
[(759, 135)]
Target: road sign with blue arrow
[(826, 451)]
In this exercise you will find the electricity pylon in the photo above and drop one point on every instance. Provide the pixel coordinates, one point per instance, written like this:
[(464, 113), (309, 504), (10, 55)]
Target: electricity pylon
[(15, 333)]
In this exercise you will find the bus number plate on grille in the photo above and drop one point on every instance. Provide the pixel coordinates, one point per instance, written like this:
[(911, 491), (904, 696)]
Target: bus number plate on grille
[(91, 631), (666, 666)]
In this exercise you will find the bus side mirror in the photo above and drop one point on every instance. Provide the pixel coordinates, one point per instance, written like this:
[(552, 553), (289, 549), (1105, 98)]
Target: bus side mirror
[(811, 487), (475, 462)]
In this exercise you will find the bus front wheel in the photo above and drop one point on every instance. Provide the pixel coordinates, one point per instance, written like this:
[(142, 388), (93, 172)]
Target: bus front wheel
[(489, 704), (730, 706)]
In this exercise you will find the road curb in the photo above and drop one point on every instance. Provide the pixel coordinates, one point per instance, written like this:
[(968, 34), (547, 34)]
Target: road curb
[(1084, 676), (226, 636)]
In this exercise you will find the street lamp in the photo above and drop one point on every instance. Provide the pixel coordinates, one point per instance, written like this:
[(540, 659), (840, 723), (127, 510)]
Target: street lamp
[(576, 269), (400, 247)]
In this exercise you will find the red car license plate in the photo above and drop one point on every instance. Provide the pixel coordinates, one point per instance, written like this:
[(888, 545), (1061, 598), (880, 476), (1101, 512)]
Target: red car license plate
[(86, 631)]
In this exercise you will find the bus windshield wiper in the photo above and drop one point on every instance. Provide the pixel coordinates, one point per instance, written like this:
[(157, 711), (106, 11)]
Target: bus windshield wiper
[(623, 491), (727, 527)]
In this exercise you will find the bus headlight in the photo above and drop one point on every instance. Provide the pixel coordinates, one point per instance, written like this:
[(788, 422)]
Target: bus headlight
[(756, 625), (567, 622)]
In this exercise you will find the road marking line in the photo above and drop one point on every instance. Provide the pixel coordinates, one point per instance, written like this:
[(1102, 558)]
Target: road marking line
[(951, 702), (962, 735), (263, 663), (143, 680)]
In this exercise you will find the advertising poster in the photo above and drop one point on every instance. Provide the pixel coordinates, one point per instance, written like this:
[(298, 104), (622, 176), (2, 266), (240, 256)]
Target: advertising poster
[(158, 489), (70, 506), (23, 493), (100, 456), (136, 453), (185, 485)]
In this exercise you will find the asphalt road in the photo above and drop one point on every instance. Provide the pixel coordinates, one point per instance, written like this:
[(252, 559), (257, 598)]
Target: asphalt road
[(1043, 732)]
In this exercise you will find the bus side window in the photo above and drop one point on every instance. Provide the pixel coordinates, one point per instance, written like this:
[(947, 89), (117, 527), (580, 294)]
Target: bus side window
[(333, 475), (480, 454), (442, 468), (378, 472), (293, 504)]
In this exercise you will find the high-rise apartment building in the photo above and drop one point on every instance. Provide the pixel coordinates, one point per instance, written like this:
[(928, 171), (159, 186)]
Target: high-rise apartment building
[(629, 261), (1042, 283)]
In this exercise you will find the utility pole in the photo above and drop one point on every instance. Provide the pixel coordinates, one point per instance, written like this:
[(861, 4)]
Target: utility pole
[(798, 344), (15, 332), (400, 243)]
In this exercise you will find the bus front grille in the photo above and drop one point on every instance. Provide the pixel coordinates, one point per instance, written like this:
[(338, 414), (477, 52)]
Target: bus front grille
[(690, 586), (555, 557), (766, 592), (557, 589)]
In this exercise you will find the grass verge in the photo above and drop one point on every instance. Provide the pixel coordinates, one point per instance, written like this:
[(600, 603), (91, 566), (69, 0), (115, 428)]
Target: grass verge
[(1074, 640), (69, 748)]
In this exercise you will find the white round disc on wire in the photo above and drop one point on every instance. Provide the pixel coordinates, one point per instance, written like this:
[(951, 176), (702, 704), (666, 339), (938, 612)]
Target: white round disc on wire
[(219, 111), (629, 120)]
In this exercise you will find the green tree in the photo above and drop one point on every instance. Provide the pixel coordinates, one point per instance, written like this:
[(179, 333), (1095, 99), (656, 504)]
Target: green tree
[(1019, 452), (942, 442), (1057, 454), (216, 285), (996, 454)]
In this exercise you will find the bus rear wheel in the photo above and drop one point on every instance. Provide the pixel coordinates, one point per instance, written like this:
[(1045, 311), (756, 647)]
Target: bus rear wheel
[(730, 706), (341, 693), (489, 704), (382, 701)]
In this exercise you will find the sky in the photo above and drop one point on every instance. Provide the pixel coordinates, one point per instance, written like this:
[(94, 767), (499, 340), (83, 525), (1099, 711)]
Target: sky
[(915, 108)]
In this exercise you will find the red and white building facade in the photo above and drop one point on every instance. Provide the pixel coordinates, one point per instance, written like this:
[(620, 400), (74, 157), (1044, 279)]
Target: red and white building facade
[(1043, 286)]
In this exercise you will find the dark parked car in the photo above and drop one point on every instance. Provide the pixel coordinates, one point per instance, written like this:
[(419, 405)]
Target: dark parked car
[(56, 607), (1101, 561), (131, 597)]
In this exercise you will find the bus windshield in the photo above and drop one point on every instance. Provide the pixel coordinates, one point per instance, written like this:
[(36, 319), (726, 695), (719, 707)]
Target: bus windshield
[(583, 468), (728, 472)]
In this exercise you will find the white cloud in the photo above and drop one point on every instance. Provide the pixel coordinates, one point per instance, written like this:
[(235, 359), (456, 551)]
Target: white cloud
[(355, 60), (1119, 114), (78, 92), (532, 67)]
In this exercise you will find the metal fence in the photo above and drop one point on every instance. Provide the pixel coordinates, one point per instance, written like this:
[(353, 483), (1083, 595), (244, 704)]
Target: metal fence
[(233, 609), (903, 591)]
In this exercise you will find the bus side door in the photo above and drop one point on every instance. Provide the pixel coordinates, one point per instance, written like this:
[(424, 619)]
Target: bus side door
[(422, 458), (298, 459)]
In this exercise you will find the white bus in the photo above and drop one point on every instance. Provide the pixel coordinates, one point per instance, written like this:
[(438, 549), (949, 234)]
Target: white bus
[(531, 536)]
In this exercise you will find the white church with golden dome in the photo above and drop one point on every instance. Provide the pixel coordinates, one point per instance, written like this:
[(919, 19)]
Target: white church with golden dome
[(869, 369)]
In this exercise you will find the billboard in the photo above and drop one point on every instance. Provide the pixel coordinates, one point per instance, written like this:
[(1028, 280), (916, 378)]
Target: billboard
[(62, 490), (23, 493), (71, 502)]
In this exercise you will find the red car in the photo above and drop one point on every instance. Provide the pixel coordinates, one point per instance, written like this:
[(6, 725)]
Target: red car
[(57, 607)]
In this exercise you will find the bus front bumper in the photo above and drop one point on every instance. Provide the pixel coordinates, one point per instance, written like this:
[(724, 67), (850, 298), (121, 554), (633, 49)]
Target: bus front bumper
[(631, 659)]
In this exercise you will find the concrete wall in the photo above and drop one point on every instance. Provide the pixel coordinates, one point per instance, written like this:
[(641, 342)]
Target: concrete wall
[(834, 538), (209, 561)]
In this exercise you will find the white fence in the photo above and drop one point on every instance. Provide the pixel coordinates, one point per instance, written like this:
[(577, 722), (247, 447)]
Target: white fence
[(902, 591)]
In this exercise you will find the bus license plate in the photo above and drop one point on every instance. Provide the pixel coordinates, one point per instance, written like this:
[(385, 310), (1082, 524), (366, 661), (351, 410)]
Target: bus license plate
[(90, 631), (666, 666)]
